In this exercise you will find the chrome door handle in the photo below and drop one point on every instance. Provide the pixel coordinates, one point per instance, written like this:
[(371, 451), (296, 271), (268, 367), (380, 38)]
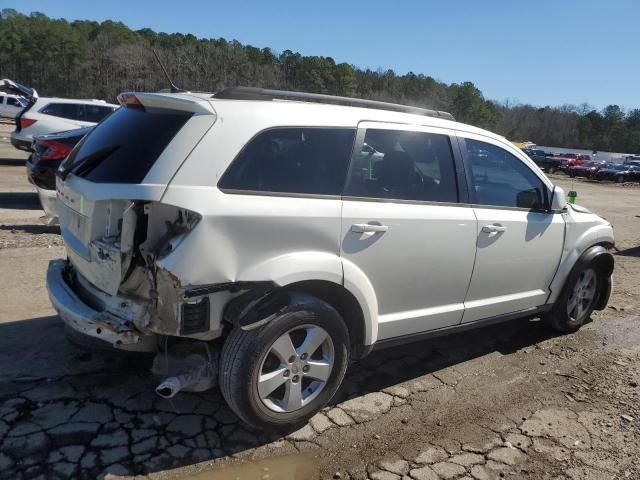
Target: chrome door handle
[(367, 227), (494, 228)]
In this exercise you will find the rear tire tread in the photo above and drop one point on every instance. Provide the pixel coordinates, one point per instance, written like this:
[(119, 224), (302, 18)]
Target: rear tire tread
[(230, 363)]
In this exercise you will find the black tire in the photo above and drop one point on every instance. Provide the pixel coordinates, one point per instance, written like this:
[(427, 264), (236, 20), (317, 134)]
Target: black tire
[(558, 318), (552, 170), (244, 352), (619, 179)]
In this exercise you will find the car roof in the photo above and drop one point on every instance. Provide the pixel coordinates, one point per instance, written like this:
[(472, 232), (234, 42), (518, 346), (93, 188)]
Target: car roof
[(75, 100), (293, 113)]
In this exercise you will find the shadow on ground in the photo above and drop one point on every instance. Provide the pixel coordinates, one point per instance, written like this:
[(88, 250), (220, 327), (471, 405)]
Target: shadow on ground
[(20, 200), (71, 413), (12, 162), (31, 229), (630, 252)]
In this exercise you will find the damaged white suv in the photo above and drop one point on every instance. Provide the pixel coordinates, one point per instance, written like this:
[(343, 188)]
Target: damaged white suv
[(293, 232)]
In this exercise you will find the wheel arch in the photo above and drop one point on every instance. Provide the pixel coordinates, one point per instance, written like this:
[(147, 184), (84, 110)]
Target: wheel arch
[(345, 303), (602, 259), (259, 306)]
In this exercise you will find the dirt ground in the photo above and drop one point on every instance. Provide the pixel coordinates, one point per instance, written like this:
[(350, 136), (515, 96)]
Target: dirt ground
[(511, 401)]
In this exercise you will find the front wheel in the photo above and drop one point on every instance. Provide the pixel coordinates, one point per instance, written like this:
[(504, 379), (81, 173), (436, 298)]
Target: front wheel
[(576, 302), (279, 375)]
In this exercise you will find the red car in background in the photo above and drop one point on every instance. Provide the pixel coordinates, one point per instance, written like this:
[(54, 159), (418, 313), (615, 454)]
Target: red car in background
[(573, 159), (586, 169)]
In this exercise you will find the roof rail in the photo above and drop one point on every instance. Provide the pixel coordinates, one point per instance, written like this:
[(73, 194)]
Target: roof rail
[(251, 93)]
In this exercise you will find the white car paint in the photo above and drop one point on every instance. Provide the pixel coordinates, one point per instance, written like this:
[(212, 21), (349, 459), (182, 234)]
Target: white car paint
[(49, 202), (433, 267), (11, 105)]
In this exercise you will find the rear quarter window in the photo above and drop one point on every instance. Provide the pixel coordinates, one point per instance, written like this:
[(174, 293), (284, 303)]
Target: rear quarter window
[(292, 160), (124, 147)]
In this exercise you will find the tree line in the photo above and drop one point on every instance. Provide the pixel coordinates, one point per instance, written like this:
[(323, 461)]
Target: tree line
[(87, 59)]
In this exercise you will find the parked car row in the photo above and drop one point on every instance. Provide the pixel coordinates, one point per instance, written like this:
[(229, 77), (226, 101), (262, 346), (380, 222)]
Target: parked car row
[(583, 165), (49, 128)]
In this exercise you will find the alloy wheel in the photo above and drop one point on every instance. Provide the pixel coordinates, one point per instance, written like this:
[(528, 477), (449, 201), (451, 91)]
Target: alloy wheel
[(582, 296), (296, 368)]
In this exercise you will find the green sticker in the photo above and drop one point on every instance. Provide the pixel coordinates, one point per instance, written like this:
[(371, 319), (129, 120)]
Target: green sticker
[(82, 204)]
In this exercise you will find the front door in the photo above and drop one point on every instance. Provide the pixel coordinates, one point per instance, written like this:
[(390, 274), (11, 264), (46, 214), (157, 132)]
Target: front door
[(404, 228), (519, 241)]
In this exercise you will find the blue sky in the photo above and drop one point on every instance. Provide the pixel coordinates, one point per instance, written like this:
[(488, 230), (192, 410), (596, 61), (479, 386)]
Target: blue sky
[(543, 52)]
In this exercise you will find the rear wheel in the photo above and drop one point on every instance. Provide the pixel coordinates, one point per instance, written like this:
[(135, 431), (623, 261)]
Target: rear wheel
[(577, 301), (619, 179), (279, 375)]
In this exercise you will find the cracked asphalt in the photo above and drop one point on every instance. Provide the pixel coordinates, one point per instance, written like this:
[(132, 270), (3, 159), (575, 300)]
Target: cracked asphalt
[(510, 401)]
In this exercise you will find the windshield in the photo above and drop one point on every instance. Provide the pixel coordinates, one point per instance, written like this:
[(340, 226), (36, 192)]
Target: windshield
[(124, 147)]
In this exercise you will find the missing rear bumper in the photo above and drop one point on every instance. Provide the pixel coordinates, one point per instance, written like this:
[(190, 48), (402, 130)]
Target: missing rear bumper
[(84, 321)]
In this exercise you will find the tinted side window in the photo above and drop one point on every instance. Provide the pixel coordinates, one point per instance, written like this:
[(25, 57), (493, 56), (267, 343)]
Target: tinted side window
[(70, 111), (405, 166), (95, 113), (14, 102), (502, 179), (292, 160)]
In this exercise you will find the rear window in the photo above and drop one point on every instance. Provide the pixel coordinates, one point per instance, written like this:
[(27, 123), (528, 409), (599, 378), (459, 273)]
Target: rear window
[(292, 160), (124, 147)]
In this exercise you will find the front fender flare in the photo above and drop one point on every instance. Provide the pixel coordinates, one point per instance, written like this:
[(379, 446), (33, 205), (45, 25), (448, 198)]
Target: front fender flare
[(599, 256)]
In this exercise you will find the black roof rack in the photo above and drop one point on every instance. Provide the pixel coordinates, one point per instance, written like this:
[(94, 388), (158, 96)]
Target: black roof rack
[(251, 93)]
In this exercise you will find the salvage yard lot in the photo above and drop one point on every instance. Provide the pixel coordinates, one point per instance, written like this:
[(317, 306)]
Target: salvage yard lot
[(513, 400)]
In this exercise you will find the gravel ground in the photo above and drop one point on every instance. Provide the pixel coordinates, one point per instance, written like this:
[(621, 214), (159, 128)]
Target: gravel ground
[(512, 401)]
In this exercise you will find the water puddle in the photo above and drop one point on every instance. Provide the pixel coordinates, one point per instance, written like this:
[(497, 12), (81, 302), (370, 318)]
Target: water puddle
[(286, 467)]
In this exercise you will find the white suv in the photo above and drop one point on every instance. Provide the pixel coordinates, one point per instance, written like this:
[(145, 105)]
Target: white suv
[(294, 235), (46, 115)]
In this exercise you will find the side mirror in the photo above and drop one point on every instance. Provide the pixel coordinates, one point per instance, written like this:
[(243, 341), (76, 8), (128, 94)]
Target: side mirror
[(528, 199), (558, 198)]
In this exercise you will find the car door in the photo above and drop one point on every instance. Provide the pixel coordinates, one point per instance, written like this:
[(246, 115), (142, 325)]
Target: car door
[(519, 241), (405, 226)]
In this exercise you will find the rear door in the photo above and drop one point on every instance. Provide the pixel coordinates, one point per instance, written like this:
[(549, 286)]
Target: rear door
[(519, 242), (406, 225)]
